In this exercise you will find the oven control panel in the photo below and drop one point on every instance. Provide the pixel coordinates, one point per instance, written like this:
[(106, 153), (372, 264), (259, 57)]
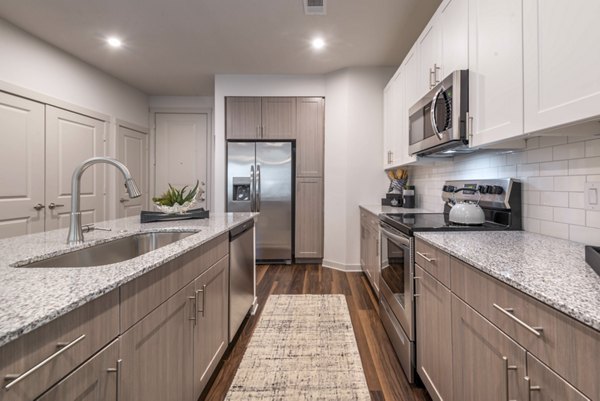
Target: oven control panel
[(492, 193)]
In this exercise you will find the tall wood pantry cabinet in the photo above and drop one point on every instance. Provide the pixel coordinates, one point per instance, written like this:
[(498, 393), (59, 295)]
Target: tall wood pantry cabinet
[(301, 119)]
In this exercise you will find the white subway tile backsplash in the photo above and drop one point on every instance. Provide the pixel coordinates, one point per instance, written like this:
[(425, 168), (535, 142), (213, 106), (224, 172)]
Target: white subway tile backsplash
[(539, 155), (570, 184), (586, 235), (554, 168), (569, 216), (584, 166), (570, 151), (592, 218), (551, 198), (553, 171), (576, 200), (558, 230), (592, 148)]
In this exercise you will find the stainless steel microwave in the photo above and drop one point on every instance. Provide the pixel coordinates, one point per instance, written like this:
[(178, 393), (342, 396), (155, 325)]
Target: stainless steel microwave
[(438, 122)]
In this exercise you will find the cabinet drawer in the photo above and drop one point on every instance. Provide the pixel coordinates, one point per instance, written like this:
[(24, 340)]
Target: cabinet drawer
[(49, 353), (547, 385), (565, 345), (95, 380), (433, 260), (142, 295)]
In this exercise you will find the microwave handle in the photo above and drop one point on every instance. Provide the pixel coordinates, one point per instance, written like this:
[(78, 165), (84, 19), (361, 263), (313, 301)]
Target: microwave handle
[(432, 112)]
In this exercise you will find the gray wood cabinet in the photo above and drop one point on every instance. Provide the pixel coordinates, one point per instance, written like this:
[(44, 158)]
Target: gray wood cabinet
[(278, 118), (309, 218), (487, 364), (243, 117), (211, 322), (545, 385), (157, 352), (310, 136), (95, 380), (434, 339), (369, 248)]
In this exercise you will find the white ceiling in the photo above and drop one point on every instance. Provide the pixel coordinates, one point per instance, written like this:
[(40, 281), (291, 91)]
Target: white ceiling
[(174, 47)]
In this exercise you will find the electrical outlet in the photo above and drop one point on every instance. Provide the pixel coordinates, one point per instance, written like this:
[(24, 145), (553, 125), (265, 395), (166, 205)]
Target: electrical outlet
[(592, 195)]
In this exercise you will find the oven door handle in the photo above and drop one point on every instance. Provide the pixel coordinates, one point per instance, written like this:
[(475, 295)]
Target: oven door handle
[(395, 237)]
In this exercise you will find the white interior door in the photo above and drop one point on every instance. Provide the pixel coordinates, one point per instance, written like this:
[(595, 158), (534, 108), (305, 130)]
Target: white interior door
[(182, 155), (70, 139), (21, 166), (132, 149)]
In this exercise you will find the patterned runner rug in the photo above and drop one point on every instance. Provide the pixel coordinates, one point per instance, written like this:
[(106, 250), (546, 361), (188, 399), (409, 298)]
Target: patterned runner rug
[(303, 348)]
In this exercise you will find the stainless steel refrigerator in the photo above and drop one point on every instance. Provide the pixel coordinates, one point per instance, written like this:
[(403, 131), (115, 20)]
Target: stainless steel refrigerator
[(260, 178)]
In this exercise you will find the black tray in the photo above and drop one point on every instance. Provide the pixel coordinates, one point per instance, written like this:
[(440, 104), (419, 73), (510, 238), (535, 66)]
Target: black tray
[(592, 257), (149, 217)]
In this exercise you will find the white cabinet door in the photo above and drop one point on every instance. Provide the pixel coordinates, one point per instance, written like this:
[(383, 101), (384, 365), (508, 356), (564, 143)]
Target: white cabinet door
[(72, 138), (562, 83), (411, 69), (182, 154), (454, 23), (22, 166), (388, 123), (132, 149), (430, 56), (495, 70)]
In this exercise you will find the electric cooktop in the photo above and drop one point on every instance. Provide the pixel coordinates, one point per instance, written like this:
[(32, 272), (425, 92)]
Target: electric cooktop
[(409, 223)]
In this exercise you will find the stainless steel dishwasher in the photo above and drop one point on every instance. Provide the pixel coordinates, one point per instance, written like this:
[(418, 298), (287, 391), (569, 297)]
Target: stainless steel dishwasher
[(241, 274)]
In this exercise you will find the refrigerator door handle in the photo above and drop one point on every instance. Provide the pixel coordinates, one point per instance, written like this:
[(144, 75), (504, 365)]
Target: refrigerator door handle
[(258, 188), (252, 190)]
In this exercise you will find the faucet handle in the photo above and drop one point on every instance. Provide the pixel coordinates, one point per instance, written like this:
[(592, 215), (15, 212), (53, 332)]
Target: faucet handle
[(86, 228)]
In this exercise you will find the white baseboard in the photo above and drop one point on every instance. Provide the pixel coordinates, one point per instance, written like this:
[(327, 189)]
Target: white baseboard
[(341, 266)]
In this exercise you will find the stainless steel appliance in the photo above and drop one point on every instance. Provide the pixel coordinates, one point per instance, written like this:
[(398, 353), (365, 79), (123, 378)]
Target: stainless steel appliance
[(501, 205), (438, 122), (241, 275), (260, 179)]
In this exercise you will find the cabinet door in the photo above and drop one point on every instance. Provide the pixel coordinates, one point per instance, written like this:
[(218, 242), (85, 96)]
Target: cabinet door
[(545, 385), (310, 132), (72, 138), (388, 123), (309, 218), (157, 352), (562, 84), (411, 69), (487, 365), (373, 252), (430, 56), (242, 117), (132, 149), (212, 319), (95, 380), (454, 23), (363, 243), (278, 118), (22, 166), (495, 70), (434, 335)]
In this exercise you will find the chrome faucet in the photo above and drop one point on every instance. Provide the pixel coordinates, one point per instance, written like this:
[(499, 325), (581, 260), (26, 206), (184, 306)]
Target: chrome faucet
[(75, 230)]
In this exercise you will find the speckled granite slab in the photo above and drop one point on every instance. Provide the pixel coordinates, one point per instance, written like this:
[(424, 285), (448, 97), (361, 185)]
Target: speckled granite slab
[(378, 209), (31, 297), (549, 269)]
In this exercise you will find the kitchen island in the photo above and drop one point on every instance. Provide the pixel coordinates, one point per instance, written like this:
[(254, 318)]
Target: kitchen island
[(161, 303)]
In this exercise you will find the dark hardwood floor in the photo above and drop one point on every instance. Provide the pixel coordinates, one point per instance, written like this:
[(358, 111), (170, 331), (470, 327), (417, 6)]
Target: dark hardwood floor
[(384, 375)]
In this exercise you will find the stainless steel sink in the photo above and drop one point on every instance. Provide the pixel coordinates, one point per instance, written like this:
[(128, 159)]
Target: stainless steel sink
[(119, 250)]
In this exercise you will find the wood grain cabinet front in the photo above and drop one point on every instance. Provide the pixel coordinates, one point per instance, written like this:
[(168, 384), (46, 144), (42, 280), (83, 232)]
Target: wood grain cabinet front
[(309, 218), (34, 362), (545, 385), (243, 117)]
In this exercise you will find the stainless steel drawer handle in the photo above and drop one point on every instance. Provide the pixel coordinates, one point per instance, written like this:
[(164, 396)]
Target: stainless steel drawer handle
[(118, 371), (193, 309), (537, 331), (15, 378), (203, 292), (530, 388), (508, 368), (424, 256)]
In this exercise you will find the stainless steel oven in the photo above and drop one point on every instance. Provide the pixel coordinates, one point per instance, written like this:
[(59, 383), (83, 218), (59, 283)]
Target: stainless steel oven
[(397, 294), (437, 122)]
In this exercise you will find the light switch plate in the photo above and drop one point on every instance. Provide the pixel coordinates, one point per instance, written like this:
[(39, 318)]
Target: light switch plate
[(592, 195)]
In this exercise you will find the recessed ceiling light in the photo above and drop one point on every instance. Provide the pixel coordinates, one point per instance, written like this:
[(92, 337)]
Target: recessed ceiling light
[(318, 43), (114, 42)]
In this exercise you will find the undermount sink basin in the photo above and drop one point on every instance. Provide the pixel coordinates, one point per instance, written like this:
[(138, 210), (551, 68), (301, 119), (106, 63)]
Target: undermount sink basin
[(115, 251)]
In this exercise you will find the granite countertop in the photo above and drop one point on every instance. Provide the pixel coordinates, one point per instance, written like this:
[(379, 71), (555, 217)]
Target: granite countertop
[(379, 209), (551, 270), (31, 297)]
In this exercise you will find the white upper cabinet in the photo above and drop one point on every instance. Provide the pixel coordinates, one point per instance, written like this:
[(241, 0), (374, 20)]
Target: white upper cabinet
[(430, 51), (495, 70), (454, 23), (388, 124), (562, 59)]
